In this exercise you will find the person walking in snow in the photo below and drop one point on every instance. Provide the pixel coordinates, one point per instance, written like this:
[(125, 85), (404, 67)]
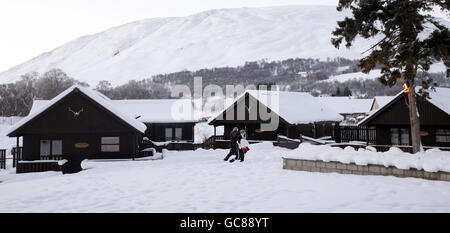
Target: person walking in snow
[(234, 137), (242, 147)]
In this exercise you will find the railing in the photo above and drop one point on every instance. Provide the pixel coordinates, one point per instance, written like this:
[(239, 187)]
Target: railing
[(286, 142), (37, 166), (17, 155), (355, 133), (51, 157), (2, 159), (210, 143)]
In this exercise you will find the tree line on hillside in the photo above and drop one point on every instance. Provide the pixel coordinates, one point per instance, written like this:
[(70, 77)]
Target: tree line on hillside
[(306, 75), (17, 98)]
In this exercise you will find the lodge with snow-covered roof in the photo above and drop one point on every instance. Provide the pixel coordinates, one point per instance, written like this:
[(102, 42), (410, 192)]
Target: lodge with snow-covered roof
[(166, 120), (82, 124), (299, 113), (392, 121), (352, 109)]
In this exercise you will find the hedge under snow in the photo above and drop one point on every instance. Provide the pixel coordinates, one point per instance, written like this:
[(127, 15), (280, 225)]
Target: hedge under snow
[(432, 160)]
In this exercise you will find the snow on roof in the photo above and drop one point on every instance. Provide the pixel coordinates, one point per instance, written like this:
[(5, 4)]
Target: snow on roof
[(158, 110), (346, 105), (382, 100), (373, 112), (37, 104), (294, 107), (148, 110), (43, 105), (439, 97)]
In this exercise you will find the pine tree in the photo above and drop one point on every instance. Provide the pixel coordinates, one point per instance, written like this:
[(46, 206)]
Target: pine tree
[(411, 40)]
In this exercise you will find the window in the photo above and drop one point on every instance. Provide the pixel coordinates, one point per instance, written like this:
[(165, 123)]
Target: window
[(168, 134), (50, 147), (404, 136), (399, 136), (178, 133), (110, 144), (56, 147), (45, 147), (394, 136), (443, 135)]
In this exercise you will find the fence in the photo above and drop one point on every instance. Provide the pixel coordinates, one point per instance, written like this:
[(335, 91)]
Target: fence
[(211, 142), (51, 157), (355, 133), (286, 142), (17, 155), (37, 166), (2, 159)]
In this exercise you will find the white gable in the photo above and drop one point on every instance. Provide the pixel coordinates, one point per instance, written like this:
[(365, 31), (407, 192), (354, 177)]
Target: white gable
[(347, 105), (380, 101), (158, 110)]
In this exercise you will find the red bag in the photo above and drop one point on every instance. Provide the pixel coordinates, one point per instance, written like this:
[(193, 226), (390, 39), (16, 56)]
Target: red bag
[(245, 149)]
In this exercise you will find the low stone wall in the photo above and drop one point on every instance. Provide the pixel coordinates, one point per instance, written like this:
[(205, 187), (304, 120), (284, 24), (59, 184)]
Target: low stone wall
[(352, 168)]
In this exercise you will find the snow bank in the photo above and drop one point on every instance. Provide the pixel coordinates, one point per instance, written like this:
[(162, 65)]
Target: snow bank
[(432, 160)]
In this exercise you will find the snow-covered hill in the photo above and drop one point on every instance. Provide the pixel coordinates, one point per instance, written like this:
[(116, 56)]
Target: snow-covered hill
[(215, 38), (225, 37)]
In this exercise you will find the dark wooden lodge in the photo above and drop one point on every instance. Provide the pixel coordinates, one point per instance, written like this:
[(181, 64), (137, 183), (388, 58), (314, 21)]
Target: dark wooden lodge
[(392, 121), (298, 114), (165, 129), (78, 123)]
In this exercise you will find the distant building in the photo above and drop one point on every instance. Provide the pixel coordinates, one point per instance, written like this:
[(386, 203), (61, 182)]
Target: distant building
[(352, 109), (380, 101)]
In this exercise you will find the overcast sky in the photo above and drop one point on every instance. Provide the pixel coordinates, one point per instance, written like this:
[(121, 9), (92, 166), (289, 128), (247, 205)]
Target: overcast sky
[(31, 27)]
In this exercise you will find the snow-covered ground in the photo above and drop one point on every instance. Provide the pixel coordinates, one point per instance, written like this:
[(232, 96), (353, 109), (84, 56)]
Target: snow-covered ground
[(5, 141), (200, 181)]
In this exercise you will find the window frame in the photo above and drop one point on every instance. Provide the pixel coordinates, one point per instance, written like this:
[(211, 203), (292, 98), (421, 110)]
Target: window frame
[(49, 143), (106, 144), (401, 138), (168, 129), (181, 134), (51, 146), (445, 135)]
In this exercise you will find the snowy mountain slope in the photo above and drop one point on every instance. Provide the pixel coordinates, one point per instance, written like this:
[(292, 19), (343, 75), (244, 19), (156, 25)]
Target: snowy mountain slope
[(216, 38), (225, 37)]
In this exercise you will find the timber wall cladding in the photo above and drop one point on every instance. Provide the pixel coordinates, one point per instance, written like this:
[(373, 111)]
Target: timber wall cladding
[(352, 168)]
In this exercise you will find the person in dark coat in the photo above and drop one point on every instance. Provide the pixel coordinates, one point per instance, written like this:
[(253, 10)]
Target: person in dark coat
[(234, 137), (241, 149)]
